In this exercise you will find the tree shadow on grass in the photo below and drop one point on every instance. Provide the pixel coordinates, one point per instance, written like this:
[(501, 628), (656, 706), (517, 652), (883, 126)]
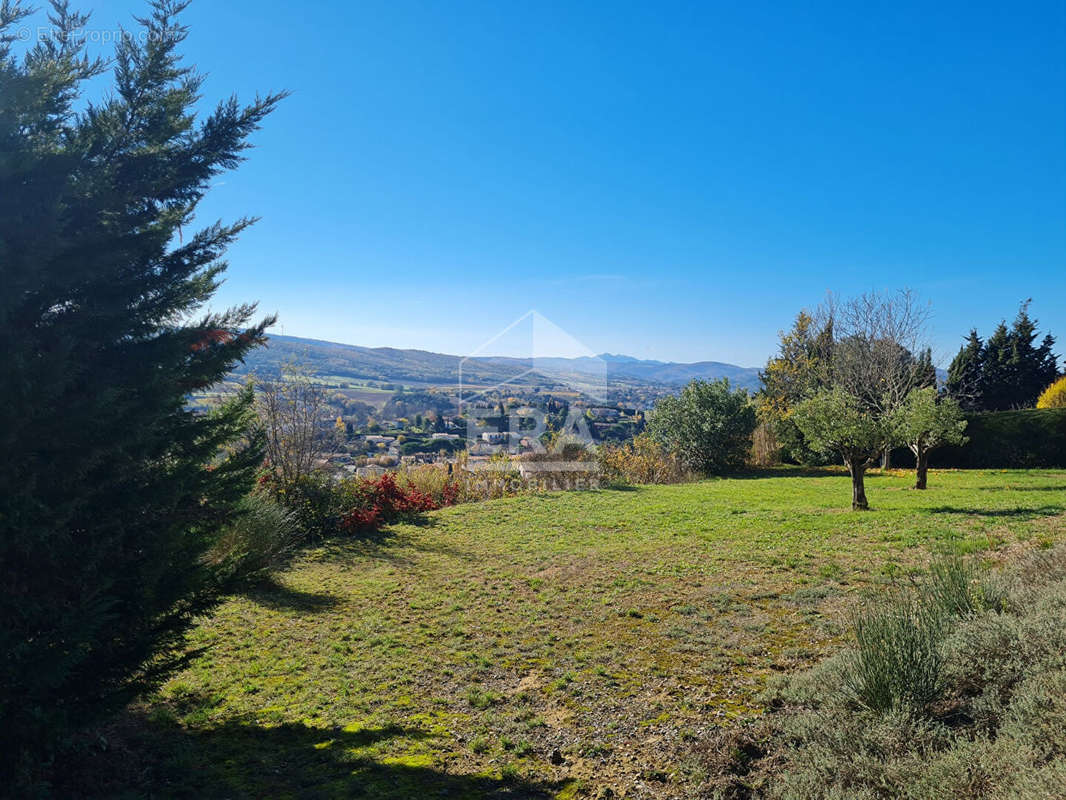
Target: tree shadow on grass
[(1041, 511), (828, 471), (422, 521), (238, 760), (392, 544), (1061, 488), (273, 594)]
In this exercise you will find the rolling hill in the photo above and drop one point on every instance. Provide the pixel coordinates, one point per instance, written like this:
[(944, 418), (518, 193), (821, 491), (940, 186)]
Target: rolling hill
[(420, 367)]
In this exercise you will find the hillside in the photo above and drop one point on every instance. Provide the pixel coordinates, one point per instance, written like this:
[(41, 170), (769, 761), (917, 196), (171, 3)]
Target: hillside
[(557, 645), (420, 367)]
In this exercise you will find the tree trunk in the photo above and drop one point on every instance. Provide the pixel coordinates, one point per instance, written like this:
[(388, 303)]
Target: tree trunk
[(858, 488), (922, 460), (886, 458)]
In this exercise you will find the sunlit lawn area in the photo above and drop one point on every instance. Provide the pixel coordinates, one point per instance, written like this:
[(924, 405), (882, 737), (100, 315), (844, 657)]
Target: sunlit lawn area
[(553, 645)]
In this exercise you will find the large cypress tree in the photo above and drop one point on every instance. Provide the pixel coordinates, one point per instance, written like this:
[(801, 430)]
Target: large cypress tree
[(1008, 372), (997, 373), (925, 370), (110, 487), (966, 373), (1033, 367)]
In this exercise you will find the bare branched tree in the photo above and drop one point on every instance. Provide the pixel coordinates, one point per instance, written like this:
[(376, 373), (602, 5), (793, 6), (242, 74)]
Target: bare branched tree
[(881, 353), (291, 407), (881, 339)]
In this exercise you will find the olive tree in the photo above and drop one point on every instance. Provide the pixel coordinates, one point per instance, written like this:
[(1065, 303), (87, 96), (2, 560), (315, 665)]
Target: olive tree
[(880, 352), (873, 347), (836, 421), (926, 421)]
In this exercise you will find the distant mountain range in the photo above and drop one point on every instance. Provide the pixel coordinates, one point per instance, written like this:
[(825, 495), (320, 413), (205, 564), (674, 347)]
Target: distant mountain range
[(421, 367), (671, 373)]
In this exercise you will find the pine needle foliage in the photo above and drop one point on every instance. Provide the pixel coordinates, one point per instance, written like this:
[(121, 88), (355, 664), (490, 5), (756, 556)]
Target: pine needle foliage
[(111, 488)]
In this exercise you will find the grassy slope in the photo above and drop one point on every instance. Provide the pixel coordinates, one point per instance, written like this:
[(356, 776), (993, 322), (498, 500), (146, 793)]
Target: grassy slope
[(610, 626)]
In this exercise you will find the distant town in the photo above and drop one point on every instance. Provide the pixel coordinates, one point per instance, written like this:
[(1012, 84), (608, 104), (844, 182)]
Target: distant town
[(382, 409), (369, 429)]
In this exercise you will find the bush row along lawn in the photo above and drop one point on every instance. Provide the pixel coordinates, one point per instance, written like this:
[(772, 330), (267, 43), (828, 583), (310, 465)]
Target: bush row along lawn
[(553, 645)]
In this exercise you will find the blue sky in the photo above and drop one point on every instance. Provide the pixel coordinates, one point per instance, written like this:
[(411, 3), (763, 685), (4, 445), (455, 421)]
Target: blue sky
[(666, 180)]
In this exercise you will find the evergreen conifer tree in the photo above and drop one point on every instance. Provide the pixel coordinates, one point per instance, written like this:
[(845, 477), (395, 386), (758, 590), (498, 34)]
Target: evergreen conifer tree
[(111, 488), (997, 371), (1008, 371), (1032, 367), (966, 373), (925, 370)]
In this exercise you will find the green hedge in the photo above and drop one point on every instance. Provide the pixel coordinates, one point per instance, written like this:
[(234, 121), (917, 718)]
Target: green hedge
[(413, 446), (1004, 439)]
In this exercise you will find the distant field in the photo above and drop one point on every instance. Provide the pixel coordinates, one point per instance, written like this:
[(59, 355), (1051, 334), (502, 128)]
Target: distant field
[(351, 388), (607, 629), (353, 384)]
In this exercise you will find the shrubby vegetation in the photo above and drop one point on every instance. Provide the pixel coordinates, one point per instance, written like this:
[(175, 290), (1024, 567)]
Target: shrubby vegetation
[(897, 662), (1032, 438), (641, 461), (444, 487), (708, 426), (1053, 396), (369, 503), (954, 689), (324, 505), (262, 536)]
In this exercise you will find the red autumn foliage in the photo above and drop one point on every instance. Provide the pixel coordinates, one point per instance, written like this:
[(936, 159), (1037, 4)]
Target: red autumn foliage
[(213, 336), (381, 501), (326, 507), (451, 493)]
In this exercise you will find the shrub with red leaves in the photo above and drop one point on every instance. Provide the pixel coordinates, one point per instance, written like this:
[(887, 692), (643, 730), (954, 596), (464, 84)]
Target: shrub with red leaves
[(379, 501), (361, 519), (450, 495)]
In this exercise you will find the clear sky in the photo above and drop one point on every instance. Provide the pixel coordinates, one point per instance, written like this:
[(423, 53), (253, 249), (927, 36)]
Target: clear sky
[(665, 180)]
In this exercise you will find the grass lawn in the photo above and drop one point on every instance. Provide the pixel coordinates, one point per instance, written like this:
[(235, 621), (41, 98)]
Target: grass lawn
[(553, 645)]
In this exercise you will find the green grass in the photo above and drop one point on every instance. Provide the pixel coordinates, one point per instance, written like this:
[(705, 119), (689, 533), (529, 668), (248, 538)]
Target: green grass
[(473, 653)]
